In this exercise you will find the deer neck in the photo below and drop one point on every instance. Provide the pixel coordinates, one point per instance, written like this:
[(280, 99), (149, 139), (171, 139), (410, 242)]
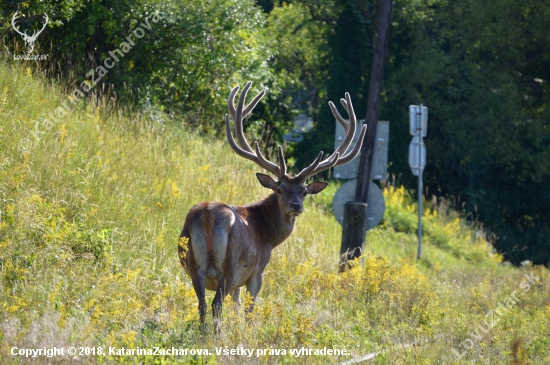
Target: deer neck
[(275, 225)]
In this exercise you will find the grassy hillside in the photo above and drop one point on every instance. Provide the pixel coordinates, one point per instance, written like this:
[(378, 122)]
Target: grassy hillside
[(91, 215)]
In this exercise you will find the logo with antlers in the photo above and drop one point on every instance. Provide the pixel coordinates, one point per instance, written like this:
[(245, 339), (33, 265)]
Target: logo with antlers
[(29, 39)]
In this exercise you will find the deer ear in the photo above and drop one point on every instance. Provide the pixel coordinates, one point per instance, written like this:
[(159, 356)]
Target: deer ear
[(316, 187), (266, 181)]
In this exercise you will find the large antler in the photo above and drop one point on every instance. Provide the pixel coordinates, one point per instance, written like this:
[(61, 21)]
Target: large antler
[(349, 129), (255, 155), (244, 149)]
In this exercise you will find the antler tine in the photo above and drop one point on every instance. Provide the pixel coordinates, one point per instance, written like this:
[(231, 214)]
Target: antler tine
[(239, 119), (257, 157), (328, 164), (263, 162), (234, 144), (334, 159), (253, 103), (245, 112), (355, 151), (282, 164), (244, 149), (338, 117), (248, 108), (305, 173), (351, 126), (344, 103)]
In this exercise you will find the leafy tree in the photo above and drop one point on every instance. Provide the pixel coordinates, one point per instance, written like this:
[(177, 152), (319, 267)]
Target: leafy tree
[(299, 47), (482, 68), (347, 57), (186, 63)]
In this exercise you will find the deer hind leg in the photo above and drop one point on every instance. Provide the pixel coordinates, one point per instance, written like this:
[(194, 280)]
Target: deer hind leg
[(198, 261), (199, 284), (220, 263), (223, 288)]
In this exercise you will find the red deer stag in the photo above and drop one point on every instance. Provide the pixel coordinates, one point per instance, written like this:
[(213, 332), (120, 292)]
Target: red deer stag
[(229, 246)]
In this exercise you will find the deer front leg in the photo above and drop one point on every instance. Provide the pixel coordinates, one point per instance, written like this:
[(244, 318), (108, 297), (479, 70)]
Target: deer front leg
[(253, 287), (236, 296)]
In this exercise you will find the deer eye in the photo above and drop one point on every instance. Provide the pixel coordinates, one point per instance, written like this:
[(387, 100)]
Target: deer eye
[(279, 191)]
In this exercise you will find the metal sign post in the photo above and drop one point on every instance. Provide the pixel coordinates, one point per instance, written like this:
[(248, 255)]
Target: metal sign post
[(417, 156), (420, 150)]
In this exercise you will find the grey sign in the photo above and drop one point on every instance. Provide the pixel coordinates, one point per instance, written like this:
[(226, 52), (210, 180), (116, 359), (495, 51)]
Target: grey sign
[(375, 201), (417, 155), (379, 168), (418, 120)]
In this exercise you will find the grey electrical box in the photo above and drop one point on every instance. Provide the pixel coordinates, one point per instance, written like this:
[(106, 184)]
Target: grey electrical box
[(379, 168)]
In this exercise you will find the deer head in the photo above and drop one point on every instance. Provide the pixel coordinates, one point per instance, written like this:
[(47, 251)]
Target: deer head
[(291, 190), (29, 39)]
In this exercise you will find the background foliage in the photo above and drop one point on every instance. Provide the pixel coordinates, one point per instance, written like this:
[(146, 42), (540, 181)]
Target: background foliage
[(481, 68), (91, 215)]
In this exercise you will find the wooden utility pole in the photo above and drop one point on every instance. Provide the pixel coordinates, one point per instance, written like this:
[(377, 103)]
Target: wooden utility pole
[(355, 213)]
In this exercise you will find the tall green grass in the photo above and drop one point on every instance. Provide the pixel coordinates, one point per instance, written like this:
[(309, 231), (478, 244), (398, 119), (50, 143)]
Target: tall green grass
[(91, 215)]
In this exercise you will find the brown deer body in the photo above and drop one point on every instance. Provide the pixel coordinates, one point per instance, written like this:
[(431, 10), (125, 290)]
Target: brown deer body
[(230, 246)]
